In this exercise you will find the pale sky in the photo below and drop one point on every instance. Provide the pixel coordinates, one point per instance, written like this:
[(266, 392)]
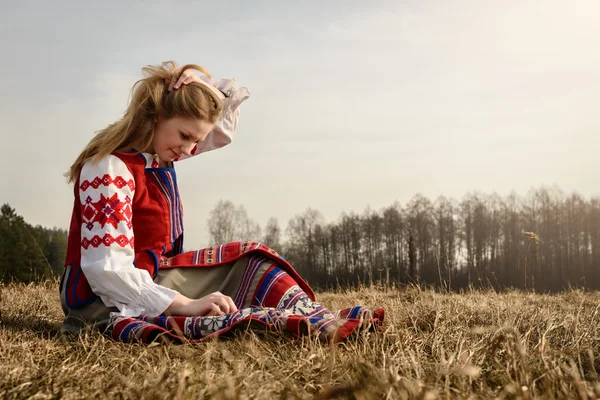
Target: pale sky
[(353, 104)]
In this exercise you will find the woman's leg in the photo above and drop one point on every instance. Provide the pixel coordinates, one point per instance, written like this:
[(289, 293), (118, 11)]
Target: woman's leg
[(92, 316)]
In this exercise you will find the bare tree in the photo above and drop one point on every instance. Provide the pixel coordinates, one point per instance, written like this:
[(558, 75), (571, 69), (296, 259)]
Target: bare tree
[(394, 232), (246, 227), (272, 234), (221, 223), (227, 223), (302, 246), (447, 240), (420, 221)]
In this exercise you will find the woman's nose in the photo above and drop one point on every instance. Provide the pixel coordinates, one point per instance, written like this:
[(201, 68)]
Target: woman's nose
[(187, 148)]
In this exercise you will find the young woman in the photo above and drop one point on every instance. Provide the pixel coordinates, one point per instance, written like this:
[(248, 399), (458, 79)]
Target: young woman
[(126, 272)]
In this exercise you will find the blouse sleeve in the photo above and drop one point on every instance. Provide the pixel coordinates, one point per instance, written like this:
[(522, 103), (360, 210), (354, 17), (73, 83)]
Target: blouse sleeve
[(106, 192)]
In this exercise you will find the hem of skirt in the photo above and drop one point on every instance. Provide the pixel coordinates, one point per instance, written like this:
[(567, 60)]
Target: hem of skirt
[(153, 333)]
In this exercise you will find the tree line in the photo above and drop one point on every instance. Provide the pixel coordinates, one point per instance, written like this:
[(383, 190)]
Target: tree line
[(547, 241), (29, 253)]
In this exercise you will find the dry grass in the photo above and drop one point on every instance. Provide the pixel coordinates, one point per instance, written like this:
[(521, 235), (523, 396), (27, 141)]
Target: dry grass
[(477, 345)]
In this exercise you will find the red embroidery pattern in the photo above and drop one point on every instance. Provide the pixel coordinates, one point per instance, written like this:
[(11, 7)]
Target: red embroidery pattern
[(107, 210), (107, 180), (107, 240)]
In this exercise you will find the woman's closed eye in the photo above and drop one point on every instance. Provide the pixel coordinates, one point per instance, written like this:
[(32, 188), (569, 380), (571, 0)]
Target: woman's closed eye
[(185, 136)]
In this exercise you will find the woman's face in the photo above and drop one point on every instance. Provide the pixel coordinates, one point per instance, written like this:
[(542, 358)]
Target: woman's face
[(178, 135)]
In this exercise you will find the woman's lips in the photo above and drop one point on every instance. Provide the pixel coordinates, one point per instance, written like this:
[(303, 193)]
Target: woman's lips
[(175, 155)]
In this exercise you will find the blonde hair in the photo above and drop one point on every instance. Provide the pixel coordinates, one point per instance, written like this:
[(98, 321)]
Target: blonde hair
[(149, 100)]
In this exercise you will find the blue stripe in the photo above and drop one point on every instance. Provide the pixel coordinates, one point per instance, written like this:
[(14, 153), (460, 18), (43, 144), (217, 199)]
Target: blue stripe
[(168, 196), (78, 302), (167, 181), (172, 180), (266, 282), (155, 257), (273, 282), (177, 205), (125, 333), (179, 244)]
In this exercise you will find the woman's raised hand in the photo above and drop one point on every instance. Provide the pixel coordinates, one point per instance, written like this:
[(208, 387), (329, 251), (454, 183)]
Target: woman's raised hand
[(185, 78)]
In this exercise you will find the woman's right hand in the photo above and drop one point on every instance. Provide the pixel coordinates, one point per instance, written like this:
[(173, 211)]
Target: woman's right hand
[(185, 78), (213, 304)]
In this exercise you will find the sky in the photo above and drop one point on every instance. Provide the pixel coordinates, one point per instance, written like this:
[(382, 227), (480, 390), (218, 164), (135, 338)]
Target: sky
[(353, 104)]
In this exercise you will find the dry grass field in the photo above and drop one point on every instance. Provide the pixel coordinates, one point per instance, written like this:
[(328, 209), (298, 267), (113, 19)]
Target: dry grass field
[(473, 345)]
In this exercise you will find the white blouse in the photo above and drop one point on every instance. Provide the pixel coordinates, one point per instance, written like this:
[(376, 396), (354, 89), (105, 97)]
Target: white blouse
[(106, 191)]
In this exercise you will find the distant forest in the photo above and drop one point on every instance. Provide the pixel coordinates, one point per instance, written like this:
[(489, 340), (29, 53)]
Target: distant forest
[(29, 253), (545, 241)]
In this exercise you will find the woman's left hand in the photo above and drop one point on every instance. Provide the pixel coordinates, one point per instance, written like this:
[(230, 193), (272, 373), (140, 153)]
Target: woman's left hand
[(185, 78)]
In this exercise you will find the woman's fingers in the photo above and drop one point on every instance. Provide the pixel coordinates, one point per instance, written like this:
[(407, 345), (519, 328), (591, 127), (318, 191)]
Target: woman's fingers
[(182, 79), (230, 304), (186, 78), (232, 307), (214, 310), (179, 82), (223, 304), (216, 304), (172, 83)]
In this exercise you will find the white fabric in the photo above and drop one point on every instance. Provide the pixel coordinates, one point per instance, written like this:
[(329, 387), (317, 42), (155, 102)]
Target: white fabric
[(222, 134), (107, 265)]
